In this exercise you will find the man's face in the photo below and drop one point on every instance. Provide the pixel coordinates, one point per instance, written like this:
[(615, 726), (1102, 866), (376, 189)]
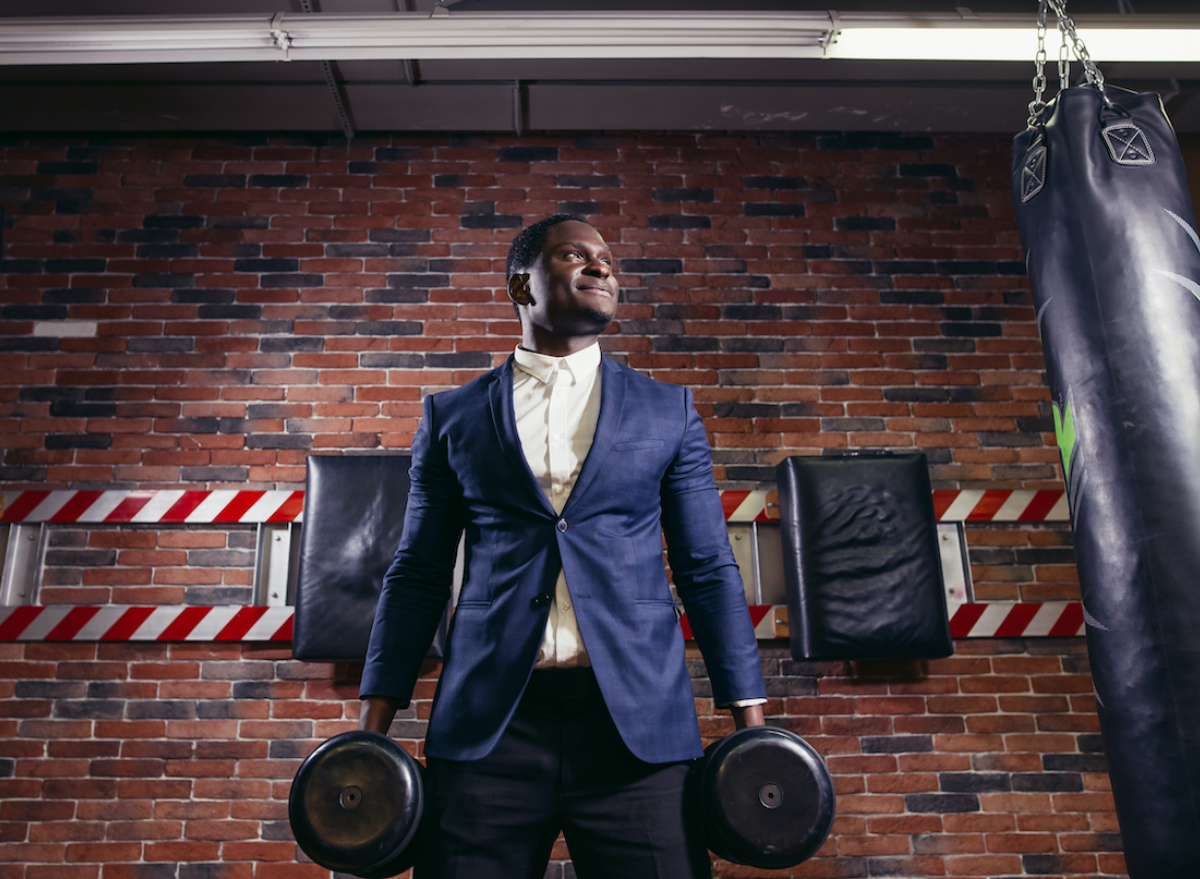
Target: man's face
[(571, 287)]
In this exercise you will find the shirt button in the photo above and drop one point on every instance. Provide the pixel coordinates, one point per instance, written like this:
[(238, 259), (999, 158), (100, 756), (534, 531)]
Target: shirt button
[(562, 526), (540, 600), (558, 489), (566, 605)]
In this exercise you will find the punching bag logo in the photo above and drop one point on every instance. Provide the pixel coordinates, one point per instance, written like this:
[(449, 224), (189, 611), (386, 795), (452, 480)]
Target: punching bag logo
[(1186, 283), (1064, 434), (1127, 144), (1033, 171)]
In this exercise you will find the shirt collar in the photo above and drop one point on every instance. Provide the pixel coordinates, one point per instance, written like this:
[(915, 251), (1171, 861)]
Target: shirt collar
[(543, 366)]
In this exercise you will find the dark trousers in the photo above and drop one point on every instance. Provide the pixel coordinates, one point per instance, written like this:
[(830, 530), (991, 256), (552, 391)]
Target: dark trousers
[(561, 766)]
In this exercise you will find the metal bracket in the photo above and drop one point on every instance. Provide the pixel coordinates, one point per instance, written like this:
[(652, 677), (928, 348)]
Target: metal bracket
[(24, 557)]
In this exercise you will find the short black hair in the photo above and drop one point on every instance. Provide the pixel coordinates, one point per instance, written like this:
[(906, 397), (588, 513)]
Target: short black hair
[(529, 242)]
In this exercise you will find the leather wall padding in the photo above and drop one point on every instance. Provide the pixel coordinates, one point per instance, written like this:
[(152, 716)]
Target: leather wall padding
[(861, 560), (353, 515)]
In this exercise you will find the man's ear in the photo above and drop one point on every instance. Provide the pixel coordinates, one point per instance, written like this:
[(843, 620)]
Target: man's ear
[(518, 289)]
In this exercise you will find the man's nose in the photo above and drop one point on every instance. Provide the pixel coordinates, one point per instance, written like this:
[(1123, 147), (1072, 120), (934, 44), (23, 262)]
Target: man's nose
[(596, 267)]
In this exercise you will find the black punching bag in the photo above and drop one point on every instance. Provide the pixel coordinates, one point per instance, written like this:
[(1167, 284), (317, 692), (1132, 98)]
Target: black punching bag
[(1114, 263)]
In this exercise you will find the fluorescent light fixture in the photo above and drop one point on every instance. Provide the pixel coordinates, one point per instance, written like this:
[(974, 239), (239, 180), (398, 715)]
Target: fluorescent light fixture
[(633, 34), (1012, 44)]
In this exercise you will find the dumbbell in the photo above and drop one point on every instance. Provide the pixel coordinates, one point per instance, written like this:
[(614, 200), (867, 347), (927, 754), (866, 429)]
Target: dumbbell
[(356, 804), (767, 798), (356, 801)]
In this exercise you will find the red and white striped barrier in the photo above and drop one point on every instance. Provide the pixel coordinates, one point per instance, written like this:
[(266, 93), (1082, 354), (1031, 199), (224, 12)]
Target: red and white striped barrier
[(1053, 619), (149, 506), (994, 505), (224, 506), (123, 623), (1023, 619)]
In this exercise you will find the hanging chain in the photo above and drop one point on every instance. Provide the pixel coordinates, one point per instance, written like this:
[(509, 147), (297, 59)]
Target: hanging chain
[(1090, 70), (1037, 106), (1064, 55)]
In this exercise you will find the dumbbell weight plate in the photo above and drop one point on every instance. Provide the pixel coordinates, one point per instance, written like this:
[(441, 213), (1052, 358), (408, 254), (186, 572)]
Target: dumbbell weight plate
[(767, 796), (356, 803)]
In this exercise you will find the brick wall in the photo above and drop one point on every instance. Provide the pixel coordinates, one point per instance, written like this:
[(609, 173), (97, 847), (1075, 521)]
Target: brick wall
[(205, 313)]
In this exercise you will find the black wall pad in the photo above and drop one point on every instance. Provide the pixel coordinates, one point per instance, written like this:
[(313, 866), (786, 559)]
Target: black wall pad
[(353, 515), (860, 558)]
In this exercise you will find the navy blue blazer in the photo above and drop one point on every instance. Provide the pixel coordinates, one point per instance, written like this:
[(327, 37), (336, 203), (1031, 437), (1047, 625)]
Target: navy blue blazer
[(649, 472)]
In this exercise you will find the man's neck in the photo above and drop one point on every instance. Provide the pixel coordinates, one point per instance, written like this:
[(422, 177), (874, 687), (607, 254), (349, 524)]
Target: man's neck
[(555, 346)]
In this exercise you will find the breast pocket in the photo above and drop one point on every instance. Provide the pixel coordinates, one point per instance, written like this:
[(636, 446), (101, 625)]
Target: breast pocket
[(635, 445)]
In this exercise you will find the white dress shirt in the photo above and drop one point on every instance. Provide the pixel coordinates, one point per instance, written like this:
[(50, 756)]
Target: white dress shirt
[(556, 401)]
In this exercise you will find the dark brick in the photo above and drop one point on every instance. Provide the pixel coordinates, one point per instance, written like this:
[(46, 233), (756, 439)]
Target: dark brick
[(1075, 762), (79, 441), (229, 312), (651, 266), (246, 221), (864, 224), (50, 689), (751, 343), (210, 296), (69, 409), (758, 181), (67, 167), (527, 154), (941, 803), (1008, 440), (215, 181), (1047, 781), (588, 181), (364, 168), (391, 360), (896, 744), (29, 343), (770, 209), (170, 221), (905, 267), (221, 473), (278, 441), (300, 279), (355, 251), (679, 221), (491, 221), (167, 251), (192, 425), (89, 709), (279, 181), (974, 330), (966, 267), (266, 265), (69, 266), (165, 709), (217, 595), (423, 281), (911, 297), (390, 328), (33, 312), (974, 782), (290, 344), (20, 266), (746, 410), (464, 360), (682, 194), (148, 236), (399, 236), (397, 154)]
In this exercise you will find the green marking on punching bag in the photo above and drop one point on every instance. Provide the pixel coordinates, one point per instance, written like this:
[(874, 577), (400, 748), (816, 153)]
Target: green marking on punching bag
[(1064, 434)]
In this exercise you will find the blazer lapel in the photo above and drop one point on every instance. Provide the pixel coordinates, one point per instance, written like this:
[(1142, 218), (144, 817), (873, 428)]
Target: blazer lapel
[(504, 419), (612, 406)]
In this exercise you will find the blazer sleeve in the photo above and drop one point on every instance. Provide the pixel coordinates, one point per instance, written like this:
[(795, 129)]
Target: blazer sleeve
[(416, 588), (705, 573)]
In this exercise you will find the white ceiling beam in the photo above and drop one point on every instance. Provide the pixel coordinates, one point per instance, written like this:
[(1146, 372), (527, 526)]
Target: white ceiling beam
[(640, 35)]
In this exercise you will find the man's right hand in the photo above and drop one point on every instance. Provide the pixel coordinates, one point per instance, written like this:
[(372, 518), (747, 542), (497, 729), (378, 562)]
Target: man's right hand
[(376, 714)]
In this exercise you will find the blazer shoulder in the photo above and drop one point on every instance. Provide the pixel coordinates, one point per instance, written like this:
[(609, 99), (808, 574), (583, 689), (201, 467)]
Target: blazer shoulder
[(646, 387), (464, 394)]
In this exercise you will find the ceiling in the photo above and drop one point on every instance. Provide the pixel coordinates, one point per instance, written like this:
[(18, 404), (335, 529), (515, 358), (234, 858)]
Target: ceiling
[(551, 95)]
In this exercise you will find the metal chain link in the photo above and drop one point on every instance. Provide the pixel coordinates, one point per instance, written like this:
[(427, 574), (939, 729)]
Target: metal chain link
[(1037, 106), (1090, 70), (1064, 55)]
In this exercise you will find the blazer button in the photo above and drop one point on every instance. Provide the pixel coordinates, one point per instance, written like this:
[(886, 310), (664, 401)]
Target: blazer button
[(562, 526), (540, 600)]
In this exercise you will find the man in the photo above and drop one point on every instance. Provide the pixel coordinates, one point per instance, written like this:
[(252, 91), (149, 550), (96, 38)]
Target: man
[(564, 702)]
